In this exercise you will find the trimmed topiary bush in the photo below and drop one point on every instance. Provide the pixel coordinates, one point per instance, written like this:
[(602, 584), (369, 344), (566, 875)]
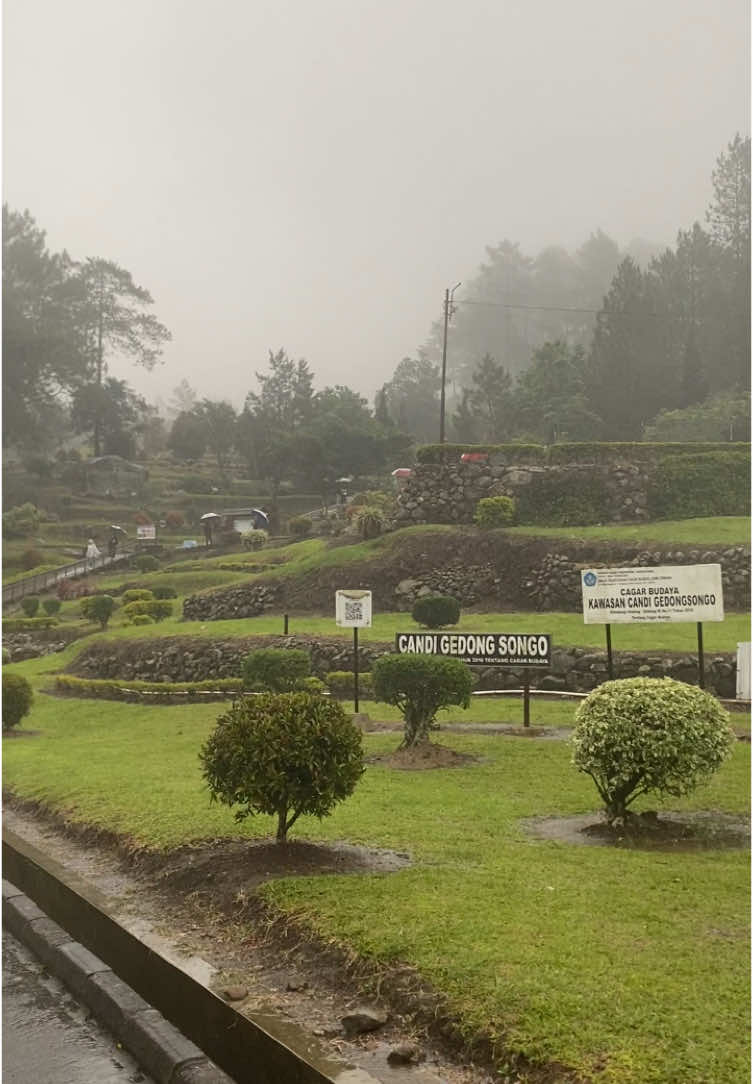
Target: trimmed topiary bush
[(642, 735), (299, 526), (142, 619), (30, 605), (254, 539), (435, 611), (165, 592), (341, 684), (706, 484), (276, 669), (17, 699), (494, 512), (145, 562), (285, 755), (420, 685), (158, 609), (137, 594), (51, 606), (31, 559), (98, 608)]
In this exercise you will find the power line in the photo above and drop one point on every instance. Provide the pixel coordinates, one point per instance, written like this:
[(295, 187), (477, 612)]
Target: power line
[(563, 308)]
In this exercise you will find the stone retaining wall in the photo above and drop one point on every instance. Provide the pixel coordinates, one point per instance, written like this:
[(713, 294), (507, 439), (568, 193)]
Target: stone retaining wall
[(574, 669)]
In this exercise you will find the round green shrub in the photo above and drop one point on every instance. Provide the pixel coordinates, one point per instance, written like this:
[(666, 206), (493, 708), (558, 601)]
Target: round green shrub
[(137, 594), (165, 592), (98, 608), (17, 699), (145, 562), (254, 539), (159, 609), (342, 685), (30, 605), (31, 559), (276, 669), (494, 512), (142, 619), (285, 755), (299, 526), (51, 606), (420, 685), (435, 611), (313, 685), (642, 735)]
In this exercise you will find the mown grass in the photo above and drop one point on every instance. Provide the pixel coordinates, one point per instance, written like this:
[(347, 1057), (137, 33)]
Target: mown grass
[(730, 530), (630, 966)]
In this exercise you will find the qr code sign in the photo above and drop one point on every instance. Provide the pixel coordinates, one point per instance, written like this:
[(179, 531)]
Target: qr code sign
[(353, 610)]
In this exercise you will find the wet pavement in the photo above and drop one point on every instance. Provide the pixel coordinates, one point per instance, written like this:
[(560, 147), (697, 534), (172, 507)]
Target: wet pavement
[(48, 1036)]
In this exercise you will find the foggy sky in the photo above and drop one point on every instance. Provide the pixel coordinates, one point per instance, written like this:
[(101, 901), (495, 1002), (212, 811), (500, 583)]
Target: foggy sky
[(312, 173)]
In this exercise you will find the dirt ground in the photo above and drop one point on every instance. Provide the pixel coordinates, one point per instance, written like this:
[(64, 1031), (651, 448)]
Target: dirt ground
[(666, 831)]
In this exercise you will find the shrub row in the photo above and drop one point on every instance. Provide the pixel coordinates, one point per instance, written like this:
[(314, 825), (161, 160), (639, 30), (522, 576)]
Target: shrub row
[(102, 689), (28, 624), (585, 452), (341, 684)]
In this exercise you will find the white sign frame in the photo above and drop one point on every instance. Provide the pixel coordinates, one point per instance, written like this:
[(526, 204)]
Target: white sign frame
[(343, 617), (657, 595), (146, 532)]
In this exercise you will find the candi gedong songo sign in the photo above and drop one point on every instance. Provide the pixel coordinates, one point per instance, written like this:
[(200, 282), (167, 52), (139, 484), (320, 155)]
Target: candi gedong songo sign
[(479, 648), (665, 593)]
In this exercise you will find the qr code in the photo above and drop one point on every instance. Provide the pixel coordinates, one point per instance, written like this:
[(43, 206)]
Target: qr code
[(353, 610)]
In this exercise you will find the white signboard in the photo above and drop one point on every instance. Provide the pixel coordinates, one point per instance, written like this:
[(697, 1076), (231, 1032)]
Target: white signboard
[(145, 532), (668, 593), (353, 609), (743, 672)]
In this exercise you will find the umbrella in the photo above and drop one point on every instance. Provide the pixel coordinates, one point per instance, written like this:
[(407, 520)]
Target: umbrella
[(261, 515), (211, 515), (114, 527)]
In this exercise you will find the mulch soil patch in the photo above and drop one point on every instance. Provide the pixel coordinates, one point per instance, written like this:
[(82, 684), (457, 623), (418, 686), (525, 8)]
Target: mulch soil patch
[(422, 757), (700, 831)]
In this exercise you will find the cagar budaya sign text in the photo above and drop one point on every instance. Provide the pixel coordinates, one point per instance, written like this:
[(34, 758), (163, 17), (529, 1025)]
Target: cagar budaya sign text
[(665, 593)]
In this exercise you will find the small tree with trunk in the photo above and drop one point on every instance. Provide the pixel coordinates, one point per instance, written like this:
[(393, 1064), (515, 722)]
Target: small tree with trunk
[(420, 685), (283, 754), (648, 734)]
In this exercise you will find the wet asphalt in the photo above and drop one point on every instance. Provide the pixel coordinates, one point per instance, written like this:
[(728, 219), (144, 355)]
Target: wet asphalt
[(48, 1036)]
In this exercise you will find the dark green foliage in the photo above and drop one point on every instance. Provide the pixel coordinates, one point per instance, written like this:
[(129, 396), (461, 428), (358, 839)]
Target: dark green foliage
[(30, 605), (494, 512), (341, 684), (156, 608), (165, 592), (276, 669), (31, 559), (22, 520), (286, 755), (142, 619), (145, 562), (137, 594), (370, 522), (707, 484), (630, 452), (567, 500), (420, 685), (98, 608), (51, 606), (299, 526), (17, 699), (436, 611)]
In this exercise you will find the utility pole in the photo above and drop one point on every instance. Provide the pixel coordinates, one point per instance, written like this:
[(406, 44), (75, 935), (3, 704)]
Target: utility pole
[(448, 296)]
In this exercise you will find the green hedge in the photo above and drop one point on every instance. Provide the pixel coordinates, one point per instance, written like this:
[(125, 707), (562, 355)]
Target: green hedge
[(102, 689), (28, 624), (563, 500), (513, 453), (583, 452), (341, 684), (707, 484)]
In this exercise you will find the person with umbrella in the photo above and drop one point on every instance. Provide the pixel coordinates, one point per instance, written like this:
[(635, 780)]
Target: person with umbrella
[(207, 522), (112, 545)]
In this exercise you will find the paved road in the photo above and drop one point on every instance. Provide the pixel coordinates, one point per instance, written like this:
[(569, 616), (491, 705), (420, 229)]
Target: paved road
[(48, 1037)]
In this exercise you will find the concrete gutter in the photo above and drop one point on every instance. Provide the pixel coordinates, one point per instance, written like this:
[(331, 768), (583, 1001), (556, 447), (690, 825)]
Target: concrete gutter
[(147, 1001)]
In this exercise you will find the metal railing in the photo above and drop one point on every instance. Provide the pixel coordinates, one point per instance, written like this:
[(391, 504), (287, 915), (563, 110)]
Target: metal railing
[(43, 581)]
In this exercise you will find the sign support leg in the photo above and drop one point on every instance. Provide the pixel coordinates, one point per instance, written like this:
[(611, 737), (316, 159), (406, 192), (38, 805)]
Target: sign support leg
[(526, 703), (701, 667), (355, 670), (610, 662), (285, 624)]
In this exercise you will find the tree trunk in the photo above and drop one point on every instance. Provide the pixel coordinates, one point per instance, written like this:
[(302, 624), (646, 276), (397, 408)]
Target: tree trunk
[(282, 826)]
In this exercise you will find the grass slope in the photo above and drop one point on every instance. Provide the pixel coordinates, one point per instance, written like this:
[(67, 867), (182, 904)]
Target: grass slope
[(630, 966)]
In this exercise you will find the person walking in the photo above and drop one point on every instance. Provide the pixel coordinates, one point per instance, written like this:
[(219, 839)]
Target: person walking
[(92, 552), (112, 545)]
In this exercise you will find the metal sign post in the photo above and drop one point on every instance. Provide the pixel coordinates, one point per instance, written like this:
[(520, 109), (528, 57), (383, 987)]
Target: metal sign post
[(353, 611), (701, 667), (610, 661)]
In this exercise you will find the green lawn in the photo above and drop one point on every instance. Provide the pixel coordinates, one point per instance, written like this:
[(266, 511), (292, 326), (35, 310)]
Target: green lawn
[(631, 966), (730, 530)]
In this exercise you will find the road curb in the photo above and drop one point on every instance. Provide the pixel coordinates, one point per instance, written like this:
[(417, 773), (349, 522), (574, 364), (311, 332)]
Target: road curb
[(167, 1055)]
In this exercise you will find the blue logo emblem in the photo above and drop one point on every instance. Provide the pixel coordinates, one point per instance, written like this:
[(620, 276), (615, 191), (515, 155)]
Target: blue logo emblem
[(590, 579)]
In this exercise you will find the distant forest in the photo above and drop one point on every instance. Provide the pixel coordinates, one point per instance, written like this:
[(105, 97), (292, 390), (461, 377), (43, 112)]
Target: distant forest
[(599, 345)]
